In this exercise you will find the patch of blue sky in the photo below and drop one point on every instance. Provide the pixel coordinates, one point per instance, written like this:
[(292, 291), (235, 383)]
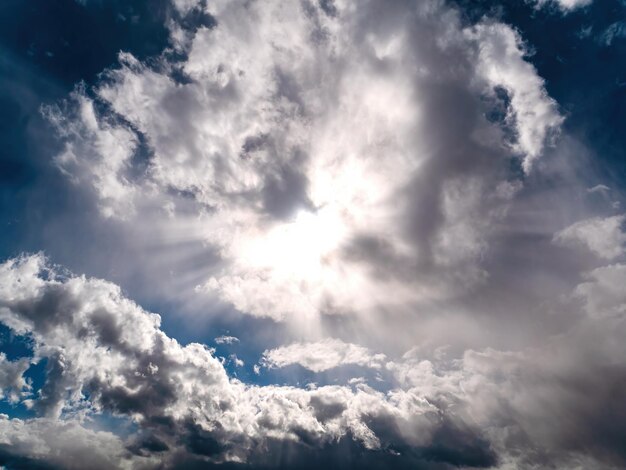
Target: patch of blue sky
[(36, 377), (14, 346)]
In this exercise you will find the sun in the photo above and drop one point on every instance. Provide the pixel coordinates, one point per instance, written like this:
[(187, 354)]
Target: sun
[(299, 248)]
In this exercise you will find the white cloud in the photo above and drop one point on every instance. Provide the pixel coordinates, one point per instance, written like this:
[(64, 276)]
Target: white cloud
[(124, 342), (97, 153), (602, 236), (604, 292), (533, 114), (322, 355), (224, 339), (236, 361), (108, 355), (13, 386), (184, 6), (599, 188), (313, 146), (66, 443), (565, 5)]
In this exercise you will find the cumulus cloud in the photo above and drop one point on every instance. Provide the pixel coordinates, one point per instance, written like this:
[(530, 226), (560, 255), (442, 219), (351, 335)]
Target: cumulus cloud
[(107, 355), (330, 152), (127, 346), (97, 154), (225, 339), (322, 355), (489, 408), (530, 394)]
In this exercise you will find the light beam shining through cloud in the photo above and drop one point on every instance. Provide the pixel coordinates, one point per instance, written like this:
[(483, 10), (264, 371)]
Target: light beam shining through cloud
[(382, 234)]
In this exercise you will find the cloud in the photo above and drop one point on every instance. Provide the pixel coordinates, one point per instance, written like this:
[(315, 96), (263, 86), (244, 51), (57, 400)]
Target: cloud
[(599, 188), (280, 146), (12, 383), (98, 153), (603, 291), (565, 5), (382, 172), (615, 31), (235, 360), (43, 443), (532, 113), (126, 347), (524, 398), (107, 355), (226, 339), (322, 355), (602, 236)]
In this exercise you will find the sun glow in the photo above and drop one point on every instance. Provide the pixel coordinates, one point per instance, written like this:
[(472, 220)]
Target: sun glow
[(299, 248)]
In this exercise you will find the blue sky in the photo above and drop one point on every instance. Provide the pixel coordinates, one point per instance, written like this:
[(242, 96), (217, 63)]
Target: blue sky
[(397, 209)]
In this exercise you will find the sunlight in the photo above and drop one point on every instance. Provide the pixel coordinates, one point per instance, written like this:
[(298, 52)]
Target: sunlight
[(298, 248)]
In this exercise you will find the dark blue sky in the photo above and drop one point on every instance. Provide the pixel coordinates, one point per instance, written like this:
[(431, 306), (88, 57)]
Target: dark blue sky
[(583, 65), (46, 48)]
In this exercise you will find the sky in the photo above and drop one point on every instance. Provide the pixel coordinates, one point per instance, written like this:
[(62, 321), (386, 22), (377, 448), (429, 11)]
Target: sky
[(378, 234)]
